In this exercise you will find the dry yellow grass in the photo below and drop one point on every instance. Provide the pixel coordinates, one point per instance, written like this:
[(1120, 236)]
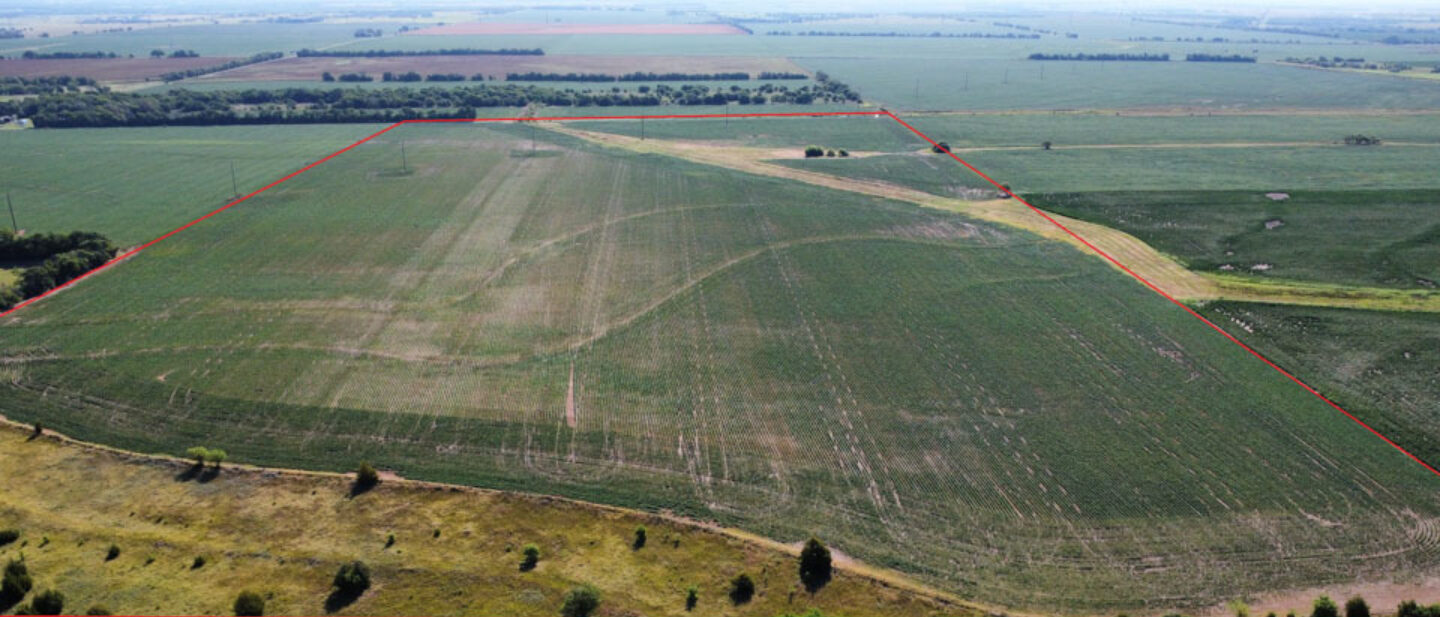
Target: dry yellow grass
[(284, 533)]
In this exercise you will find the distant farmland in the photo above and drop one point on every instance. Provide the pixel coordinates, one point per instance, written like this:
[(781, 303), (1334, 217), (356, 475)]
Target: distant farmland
[(311, 68), (996, 413), (105, 69)]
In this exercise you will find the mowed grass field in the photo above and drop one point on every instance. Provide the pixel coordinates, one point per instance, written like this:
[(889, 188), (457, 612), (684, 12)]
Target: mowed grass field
[(997, 414)]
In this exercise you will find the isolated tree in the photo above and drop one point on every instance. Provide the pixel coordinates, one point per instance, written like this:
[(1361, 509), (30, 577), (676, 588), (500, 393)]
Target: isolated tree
[(157, 53), (742, 588), (353, 578), (216, 456), (580, 602), (692, 597), (940, 148), (1356, 607), (814, 152), (366, 477), (1325, 607), (327, 76), (39, 430), (199, 453), (48, 602), (815, 565), (249, 604), (532, 558), (1045, 145), (112, 553), (639, 538)]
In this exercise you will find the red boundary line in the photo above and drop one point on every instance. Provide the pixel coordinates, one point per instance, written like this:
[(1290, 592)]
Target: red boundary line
[(882, 112)]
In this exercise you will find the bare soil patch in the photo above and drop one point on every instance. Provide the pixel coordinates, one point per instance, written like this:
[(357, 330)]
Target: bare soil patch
[(106, 69), (532, 28), (310, 69)]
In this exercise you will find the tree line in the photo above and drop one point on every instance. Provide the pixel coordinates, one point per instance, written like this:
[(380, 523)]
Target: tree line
[(1219, 58), (393, 53), (631, 77), (44, 85), (931, 35), (260, 57), (68, 55), (62, 258), (299, 105), (1103, 57), (11, 33)]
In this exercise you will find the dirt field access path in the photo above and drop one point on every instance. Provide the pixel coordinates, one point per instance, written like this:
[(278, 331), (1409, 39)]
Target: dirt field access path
[(1166, 273)]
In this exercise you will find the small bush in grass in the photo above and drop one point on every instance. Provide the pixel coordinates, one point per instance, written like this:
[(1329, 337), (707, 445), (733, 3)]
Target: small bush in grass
[(639, 537), (98, 610), (353, 578), (9, 535), (532, 558), (112, 553), (16, 581), (198, 563), (742, 588), (48, 602), (1325, 607), (580, 602), (1356, 607), (249, 604), (390, 540), (692, 597)]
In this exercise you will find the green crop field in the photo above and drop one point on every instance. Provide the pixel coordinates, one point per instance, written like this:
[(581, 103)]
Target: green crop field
[(1384, 238), (997, 414)]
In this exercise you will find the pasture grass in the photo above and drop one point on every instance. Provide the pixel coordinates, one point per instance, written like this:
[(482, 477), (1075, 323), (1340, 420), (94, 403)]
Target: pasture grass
[(992, 412)]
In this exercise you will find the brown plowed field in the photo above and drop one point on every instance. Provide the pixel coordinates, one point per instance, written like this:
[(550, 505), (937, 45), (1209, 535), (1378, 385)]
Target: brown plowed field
[(310, 69), (529, 28), (105, 69)]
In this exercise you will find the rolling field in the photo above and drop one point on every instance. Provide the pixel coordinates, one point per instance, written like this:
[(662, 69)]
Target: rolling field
[(993, 412)]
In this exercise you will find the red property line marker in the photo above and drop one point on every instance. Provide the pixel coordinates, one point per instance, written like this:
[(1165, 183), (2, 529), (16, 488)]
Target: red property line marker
[(1167, 296), (882, 112)]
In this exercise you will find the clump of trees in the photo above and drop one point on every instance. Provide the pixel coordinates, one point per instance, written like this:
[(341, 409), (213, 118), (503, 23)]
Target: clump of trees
[(11, 33), (815, 565), (15, 583), (814, 152), (44, 85), (62, 257), (1361, 140), (202, 455), (366, 33), (355, 77), (352, 578)]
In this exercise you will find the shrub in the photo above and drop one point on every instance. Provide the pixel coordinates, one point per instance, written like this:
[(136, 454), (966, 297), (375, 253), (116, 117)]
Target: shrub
[(1325, 607), (814, 151), (532, 557), (1045, 145), (639, 537), (97, 610), (1356, 607), (815, 565), (9, 535), (390, 540), (198, 563), (366, 477), (844, 153), (16, 581), (48, 602), (353, 578), (249, 604), (830, 153), (581, 602), (692, 597), (742, 588), (199, 453), (216, 456), (39, 430), (940, 148), (112, 553)]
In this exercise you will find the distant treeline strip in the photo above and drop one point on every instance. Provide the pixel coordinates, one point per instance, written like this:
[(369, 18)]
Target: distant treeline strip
[(65, 258), (1103, 57), (260, 57), (306, 106), (43, 85), (1218, 58), (68, 55), (929, 35), (388, 53), (602, 77)]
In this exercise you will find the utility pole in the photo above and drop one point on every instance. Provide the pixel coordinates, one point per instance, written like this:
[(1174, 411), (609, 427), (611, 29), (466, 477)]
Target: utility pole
[(727, 113), (532, 136), (404, 160), (642, 129), (234, 185), (13, 225)]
